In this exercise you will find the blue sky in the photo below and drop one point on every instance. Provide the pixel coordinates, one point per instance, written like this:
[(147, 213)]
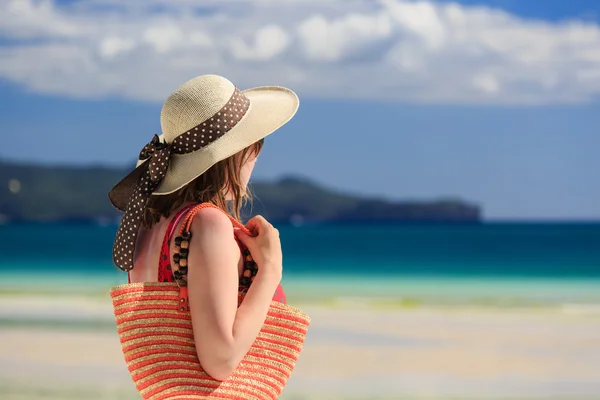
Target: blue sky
[(554, 10), (506, 116)]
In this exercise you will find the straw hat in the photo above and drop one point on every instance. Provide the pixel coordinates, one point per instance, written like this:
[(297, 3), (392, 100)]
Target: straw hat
[(205, 120)]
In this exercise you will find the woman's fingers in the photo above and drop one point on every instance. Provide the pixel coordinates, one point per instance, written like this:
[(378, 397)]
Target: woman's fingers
[(242, 236), (257, 225)]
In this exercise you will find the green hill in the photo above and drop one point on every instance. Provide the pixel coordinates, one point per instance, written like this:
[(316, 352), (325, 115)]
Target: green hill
[(64, 193)]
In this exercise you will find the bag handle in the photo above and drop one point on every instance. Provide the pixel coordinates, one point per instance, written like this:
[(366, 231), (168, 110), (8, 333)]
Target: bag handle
[(179, 265)]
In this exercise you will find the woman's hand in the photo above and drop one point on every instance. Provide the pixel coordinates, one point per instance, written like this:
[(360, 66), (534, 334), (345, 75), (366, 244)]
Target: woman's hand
[(264, 245)]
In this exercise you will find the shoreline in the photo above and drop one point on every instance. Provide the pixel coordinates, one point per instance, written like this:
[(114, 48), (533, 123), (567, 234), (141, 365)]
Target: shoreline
[(97, 307), (89, 296)]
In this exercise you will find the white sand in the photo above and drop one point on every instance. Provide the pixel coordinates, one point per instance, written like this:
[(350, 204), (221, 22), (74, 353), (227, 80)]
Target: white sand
[(362, 354)]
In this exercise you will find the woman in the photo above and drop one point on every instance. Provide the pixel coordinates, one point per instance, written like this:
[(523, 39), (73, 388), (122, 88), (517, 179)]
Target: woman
[(212, 135)]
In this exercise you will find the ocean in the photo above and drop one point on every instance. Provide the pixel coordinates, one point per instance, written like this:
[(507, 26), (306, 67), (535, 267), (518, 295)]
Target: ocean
[(496, 264)]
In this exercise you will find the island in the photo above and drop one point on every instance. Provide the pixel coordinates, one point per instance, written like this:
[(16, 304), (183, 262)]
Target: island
[(40, 193)]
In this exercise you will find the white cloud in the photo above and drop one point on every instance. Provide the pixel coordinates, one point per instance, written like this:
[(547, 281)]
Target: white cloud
[(269, 41), (30, 19), (336, 39), (163, 39), (416, 51), (200, 39), (112, 46), (487, 83), (421, 19)]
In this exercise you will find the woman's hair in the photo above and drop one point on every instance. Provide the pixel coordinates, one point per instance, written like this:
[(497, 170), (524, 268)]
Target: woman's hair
[(212, 186)]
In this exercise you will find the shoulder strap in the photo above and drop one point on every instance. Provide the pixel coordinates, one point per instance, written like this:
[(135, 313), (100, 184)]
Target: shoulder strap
[(175, 221), (190, 217), (165, 254), (179, 265)]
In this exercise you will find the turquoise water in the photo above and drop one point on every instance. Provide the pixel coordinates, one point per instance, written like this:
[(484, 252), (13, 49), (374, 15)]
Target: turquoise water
[(488, 262)]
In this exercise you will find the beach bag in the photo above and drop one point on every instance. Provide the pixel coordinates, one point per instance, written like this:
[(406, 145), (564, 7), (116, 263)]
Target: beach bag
[(155, 330)]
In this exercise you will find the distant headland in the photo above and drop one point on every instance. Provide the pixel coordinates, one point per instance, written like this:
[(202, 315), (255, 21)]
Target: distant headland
[(38, 193)]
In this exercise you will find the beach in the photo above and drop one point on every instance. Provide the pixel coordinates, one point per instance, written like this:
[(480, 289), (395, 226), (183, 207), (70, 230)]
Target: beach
[(492, 311), (65, 347)]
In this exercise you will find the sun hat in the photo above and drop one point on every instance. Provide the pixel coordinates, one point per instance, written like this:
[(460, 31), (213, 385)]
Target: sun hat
[(204, 121)]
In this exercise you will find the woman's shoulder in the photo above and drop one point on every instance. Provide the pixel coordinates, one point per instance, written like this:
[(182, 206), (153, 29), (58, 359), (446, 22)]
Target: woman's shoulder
[(212, 237), (213, 220)]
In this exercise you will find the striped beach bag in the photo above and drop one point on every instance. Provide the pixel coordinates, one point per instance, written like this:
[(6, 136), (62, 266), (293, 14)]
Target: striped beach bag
[(155, 330)]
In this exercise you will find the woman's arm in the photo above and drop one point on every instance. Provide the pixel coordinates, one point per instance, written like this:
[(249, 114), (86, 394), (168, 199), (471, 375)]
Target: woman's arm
[(224, 333)]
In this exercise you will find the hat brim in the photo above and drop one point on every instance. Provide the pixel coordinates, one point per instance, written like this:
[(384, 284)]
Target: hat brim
[(271, 107)]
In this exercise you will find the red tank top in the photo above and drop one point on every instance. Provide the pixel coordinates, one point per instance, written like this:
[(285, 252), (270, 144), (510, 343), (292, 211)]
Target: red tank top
[(164, 264)]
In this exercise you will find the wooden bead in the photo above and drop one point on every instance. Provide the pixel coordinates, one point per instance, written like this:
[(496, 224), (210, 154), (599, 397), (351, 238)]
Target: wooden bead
[(185, 244), (247, 273), (183, 262), (177, 249)]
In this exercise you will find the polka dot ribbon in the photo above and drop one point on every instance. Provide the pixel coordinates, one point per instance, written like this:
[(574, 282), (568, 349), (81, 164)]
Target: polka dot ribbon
[(158, 154)]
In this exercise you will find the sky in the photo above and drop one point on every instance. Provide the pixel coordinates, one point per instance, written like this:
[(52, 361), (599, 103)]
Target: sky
[(495, 102)]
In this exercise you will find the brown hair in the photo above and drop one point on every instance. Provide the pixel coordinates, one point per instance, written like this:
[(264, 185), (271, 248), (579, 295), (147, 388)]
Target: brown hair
[(211, 186)]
